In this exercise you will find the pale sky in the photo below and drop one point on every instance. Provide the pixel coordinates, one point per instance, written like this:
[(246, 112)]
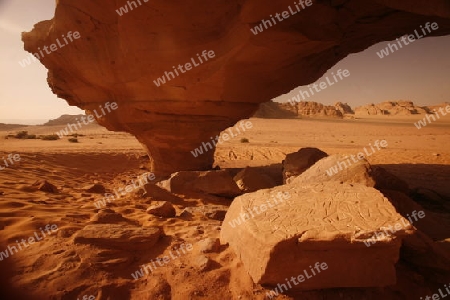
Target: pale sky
[(418, 72)]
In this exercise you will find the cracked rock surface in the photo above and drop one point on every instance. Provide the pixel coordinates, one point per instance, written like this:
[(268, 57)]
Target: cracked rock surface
[(324, 222)]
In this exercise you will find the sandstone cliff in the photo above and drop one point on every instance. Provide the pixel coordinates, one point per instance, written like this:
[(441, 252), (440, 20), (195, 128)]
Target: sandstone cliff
[(391, 108), (276, 110), (64, 120)]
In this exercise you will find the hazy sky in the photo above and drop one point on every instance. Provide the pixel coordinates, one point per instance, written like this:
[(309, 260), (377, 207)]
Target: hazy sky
[(419, 72)]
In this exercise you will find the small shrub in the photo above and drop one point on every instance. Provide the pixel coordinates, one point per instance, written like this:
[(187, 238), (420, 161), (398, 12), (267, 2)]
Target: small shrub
[(50, 137), (21, 135), (73, 140), (245, 140), (31, 136)]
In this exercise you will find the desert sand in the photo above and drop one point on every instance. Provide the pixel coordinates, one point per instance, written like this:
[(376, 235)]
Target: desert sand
[(64, 266)]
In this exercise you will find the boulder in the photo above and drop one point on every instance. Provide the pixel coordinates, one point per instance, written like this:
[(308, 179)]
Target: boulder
[(298, 162), (286, 231), (208, 245), (338, 167), (250, 180), (162, 209), (120, 236), (95, 188), (108, 216), (218, 183), (45, 186), (156, 192)]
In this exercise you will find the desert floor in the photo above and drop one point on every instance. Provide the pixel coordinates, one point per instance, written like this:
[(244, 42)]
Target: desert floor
[(58, 268)]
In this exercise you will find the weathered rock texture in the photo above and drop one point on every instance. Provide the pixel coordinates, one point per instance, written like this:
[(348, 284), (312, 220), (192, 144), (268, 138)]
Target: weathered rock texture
[(314, 109), (391, 108), (323, 222), (218, 183), (118, 236), (250, 180), (344, 108), (117, 58), (336, 167), (298, 162)]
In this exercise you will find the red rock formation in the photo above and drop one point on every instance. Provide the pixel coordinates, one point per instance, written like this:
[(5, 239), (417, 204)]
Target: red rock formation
[(276, 110), (344, 108), (118, 58), (314, 109), (391, 108)]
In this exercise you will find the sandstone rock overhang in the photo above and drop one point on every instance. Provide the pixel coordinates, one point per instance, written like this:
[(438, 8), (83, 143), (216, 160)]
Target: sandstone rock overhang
[(292, 227), (118, 58)]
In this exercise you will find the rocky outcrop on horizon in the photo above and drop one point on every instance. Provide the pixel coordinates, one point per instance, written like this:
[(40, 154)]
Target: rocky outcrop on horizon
[(344, 108), (314, 109), (277, 110), (64, 120), (391, 108)]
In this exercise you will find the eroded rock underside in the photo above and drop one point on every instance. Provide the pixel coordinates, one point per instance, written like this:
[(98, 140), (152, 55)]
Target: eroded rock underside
[(117, 58)]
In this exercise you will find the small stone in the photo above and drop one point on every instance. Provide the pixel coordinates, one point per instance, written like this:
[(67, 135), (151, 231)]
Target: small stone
[(95, 188), (45, 186), (209, 245), (203, 263), (163, 209)]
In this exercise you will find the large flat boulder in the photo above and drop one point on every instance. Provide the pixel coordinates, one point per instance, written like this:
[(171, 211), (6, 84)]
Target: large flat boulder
[(338, 167), (280, 233), (351, 169)]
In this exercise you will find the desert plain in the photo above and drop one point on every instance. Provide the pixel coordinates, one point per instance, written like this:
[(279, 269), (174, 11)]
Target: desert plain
[(56, 183)]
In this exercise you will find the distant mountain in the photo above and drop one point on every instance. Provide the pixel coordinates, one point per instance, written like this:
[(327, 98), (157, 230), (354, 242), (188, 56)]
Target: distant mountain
[(64, 120), (392, 108), (4, 126), (276, 110)]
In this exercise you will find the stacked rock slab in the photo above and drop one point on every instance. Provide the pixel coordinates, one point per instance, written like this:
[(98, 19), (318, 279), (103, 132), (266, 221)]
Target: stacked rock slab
[(325, 223)]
